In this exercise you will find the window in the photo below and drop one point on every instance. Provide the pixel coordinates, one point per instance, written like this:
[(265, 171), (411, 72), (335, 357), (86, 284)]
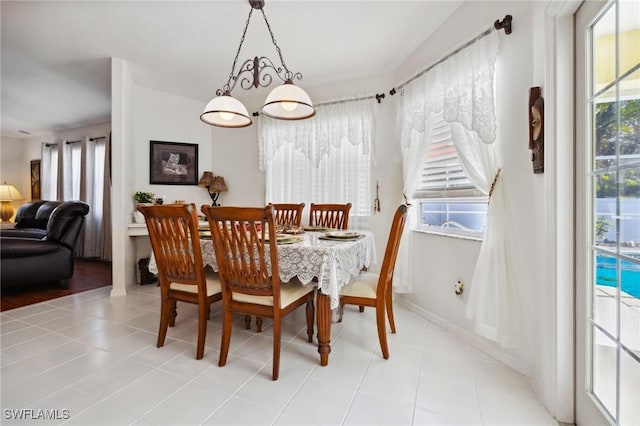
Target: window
[(449, 202), (326, 159)]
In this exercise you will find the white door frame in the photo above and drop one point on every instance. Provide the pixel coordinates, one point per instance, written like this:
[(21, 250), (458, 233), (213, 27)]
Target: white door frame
[(587, 408)]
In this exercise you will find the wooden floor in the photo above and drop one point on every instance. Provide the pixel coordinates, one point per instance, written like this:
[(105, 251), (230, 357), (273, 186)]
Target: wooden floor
[(87, 275)]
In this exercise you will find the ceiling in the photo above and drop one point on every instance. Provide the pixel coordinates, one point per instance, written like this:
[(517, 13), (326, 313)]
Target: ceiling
[(55, 63)]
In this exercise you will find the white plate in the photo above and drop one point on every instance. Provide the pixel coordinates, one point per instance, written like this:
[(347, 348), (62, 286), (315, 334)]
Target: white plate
[(342, 234)]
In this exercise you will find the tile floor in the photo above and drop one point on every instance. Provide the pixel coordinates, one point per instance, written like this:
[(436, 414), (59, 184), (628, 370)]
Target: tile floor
[(89, 359)]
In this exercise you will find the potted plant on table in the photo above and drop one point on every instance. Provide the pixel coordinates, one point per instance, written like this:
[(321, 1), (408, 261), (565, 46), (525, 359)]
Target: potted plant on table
[(144, 198)]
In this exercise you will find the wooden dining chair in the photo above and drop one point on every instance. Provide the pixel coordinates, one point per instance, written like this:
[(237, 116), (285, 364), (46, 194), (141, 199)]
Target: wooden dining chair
[(376, 290), (288, 214), (173, 231), (330, 215), (249, 273)]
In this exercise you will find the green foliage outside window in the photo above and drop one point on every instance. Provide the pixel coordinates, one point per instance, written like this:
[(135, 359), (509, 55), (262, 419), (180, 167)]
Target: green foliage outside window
[(628, 141)]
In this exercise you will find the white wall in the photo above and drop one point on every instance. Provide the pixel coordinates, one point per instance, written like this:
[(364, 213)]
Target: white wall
[(164, 117), (234, 156)]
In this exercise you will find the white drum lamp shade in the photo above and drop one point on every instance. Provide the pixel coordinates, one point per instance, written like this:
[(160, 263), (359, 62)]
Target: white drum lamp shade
[(288, 102), (226, 111)]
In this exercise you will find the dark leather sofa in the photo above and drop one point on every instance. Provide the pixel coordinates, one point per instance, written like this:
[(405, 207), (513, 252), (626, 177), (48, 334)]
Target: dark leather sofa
[(40, 248)]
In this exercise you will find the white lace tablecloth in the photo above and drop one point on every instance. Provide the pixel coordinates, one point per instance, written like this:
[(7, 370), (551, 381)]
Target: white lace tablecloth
[(334, 263)]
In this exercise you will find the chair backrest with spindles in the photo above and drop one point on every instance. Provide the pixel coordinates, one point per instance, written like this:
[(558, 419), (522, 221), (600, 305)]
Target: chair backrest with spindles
[(247, 257), (330, 215), (288, 214), (173, 231)]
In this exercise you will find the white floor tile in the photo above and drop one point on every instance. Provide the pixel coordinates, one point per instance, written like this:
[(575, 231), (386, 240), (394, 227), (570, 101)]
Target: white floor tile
[(10, 325), (287, 420), (447, 396), (344, 370), (320, 402), (237, 411), (198, 403), (96, 357), (109, 380), (145, 393), (21, 336), (366, 410), (232, 376), (431, 418), (262, 390), (390, 382)]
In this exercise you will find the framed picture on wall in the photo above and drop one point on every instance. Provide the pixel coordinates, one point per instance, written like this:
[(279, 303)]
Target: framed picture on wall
[(35, 180), (173, 163)]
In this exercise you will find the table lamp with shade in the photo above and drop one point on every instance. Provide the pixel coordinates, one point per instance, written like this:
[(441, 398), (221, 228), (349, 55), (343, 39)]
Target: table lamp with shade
[(8, 194), (214, 184)]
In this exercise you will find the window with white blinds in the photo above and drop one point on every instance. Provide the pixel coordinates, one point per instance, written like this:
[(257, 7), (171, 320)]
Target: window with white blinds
[(442, 174), (449, 202)]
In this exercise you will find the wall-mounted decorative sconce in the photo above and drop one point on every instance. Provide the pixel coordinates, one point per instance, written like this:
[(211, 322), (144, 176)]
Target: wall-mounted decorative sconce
[(8, 194), (536, 129), (214, 184)]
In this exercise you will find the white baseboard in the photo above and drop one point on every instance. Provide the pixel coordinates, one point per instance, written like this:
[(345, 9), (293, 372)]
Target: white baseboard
[(472, 338)]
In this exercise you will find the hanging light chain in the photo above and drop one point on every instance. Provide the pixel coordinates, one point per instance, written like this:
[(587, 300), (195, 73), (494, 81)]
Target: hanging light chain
[(227, 87), (256, 66), (288, 74)]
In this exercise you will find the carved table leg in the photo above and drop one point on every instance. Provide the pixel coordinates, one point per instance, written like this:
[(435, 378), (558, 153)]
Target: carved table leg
[(324, 317)]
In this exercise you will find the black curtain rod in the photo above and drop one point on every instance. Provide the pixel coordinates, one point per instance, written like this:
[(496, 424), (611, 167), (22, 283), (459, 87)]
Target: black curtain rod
[(70, 142), (50, 144), (98, 138), (377, 96), (497, 26)]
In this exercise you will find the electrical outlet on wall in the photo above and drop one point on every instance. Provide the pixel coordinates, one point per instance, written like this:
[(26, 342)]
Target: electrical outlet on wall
[(459, 287)]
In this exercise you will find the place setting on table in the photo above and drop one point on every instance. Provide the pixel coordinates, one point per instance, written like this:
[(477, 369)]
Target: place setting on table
[(318, 232)]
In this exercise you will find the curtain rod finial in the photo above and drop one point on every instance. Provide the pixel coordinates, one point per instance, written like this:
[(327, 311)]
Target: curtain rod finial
[(505, 23)]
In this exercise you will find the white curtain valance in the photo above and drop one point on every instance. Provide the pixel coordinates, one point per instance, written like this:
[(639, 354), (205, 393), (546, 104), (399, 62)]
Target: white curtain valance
[(334, 124), (461, 88)]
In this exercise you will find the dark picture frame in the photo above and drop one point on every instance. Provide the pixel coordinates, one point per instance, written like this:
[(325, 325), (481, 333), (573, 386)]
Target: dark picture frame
[(35, 180), (173, 163)]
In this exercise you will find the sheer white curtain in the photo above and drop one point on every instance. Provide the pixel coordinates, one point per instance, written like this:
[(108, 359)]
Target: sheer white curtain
[(325, 159), (462, 89), (72, 161), (416, 116), (50, 173), (79, 170)]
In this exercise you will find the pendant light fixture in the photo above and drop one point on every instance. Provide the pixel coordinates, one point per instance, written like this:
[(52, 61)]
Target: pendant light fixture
[(285, 102)]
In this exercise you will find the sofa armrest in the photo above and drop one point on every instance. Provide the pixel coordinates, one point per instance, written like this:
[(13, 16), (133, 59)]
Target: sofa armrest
[(14, 247), (35, 233), (66, 222)]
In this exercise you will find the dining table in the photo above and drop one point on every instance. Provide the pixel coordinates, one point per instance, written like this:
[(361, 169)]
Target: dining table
[(324, 258)]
